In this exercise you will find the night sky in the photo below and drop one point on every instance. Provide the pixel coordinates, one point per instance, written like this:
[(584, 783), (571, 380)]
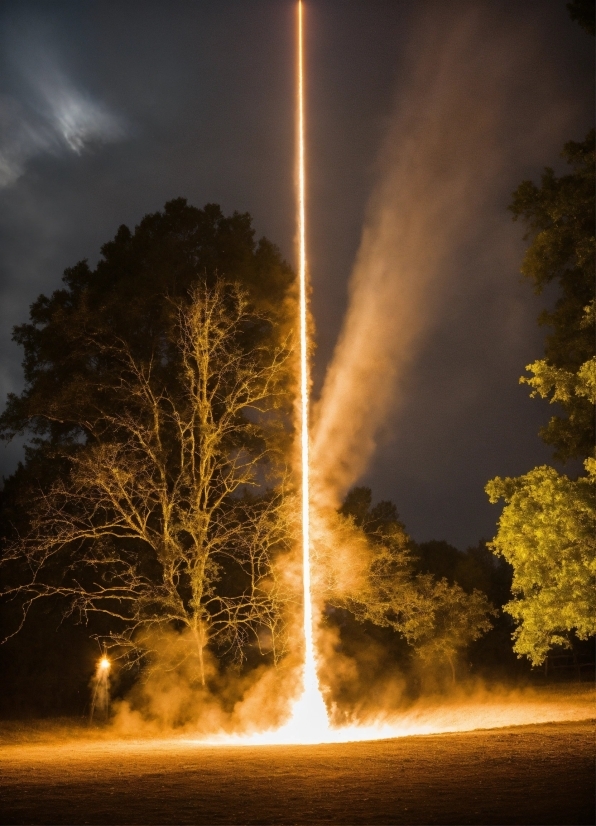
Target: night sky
[(109, 109)]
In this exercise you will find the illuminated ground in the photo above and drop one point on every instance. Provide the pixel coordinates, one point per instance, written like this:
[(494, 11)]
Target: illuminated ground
[(538, 774)]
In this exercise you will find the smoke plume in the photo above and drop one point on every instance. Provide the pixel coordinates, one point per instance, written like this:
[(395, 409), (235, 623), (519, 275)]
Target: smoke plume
[(462, 115)]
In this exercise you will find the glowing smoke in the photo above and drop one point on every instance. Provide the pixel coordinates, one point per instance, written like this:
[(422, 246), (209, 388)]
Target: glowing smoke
[(49, 115), (440, 165), (462, 118)]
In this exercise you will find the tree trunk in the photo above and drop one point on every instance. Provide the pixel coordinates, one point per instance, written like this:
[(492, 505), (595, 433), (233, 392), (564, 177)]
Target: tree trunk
[(201, 665), (450, 661), (198, 635)]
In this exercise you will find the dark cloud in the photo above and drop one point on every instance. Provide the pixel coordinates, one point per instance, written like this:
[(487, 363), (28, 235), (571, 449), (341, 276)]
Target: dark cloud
[(109, 109), (47, 113)]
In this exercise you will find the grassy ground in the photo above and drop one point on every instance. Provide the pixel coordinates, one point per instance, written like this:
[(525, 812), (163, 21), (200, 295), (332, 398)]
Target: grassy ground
[(538, 774), (66, 771)]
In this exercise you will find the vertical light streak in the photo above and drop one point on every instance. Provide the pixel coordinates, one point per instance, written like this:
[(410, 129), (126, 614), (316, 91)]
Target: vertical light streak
[(308, 721), (304, 365), (310, 714)]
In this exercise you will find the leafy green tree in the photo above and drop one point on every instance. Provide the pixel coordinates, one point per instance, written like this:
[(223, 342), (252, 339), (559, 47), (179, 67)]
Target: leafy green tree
[(559, 216), (547, 531)]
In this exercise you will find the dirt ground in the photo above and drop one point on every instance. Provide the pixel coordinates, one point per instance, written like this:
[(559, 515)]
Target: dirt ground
[(539, 774)]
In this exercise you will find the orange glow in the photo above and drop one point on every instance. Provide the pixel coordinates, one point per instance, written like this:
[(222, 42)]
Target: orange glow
[(311, 703), (308, 721)]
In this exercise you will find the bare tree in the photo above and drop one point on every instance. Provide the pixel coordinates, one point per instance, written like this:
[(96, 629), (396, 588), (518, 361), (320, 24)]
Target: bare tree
[(155, 525)]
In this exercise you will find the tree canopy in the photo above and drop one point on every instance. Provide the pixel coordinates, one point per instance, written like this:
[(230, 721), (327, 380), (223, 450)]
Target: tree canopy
[(559, 215), (546, 529), (130, 296), (126, 296), (158, 391), (436, 617), (547, 526), (548, 533)]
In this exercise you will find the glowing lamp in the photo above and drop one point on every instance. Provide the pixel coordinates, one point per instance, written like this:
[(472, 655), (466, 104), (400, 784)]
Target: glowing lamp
[(104, 664)]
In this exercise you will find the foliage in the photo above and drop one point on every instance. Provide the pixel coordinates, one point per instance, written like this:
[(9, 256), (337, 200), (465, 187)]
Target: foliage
[(439, 619), (151, 508), (476, 567), (131, 295), (156, 395), (560, 219), (547, 532), (456, 619)]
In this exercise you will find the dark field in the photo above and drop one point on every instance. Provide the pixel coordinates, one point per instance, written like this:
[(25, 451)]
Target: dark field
[(539, 774)]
